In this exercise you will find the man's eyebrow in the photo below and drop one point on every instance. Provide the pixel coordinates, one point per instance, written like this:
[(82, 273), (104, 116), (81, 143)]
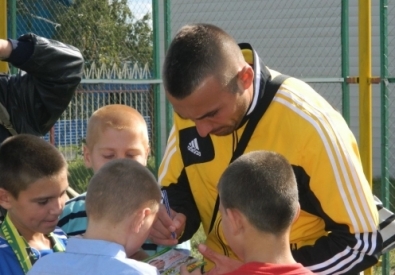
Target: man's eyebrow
[(211, 113)]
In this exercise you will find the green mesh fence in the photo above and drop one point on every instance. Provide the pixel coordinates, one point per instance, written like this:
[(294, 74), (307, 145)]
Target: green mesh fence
[(298, 38), (385, 184), (116, 40), (317, 41)]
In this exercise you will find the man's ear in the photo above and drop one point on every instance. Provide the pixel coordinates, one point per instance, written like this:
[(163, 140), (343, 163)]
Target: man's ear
[(5, 199), (87, 156), (246, 76), (235, 220)]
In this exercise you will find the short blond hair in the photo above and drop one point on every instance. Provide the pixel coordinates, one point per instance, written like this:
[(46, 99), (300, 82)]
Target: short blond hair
[(116, 116)]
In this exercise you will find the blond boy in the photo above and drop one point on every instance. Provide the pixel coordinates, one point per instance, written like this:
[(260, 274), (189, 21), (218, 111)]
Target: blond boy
[(121, 203), (33, 184), (114, 132)]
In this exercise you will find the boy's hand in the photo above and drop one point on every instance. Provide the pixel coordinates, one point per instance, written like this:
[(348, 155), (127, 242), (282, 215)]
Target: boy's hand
[(223, 264), (184, 271), (140, 255), (161, 231)]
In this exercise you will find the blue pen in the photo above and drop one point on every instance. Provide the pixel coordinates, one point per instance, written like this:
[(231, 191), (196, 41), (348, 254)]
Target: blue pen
[(166, 203)]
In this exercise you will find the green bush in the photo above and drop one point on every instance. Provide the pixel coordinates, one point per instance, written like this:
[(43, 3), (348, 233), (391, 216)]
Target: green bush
[(79, 175), (198, 238)]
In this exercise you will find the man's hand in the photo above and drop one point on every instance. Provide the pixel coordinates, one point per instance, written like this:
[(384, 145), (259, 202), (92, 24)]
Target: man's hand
[(165, 225), (5, 49), (223, 264)]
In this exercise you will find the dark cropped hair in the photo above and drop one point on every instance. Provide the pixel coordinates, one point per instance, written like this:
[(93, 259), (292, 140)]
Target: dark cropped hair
[(196, 52), (262, 186), (25, 159), (119, 188)]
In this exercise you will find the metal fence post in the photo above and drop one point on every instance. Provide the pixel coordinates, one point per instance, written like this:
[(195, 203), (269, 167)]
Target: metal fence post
[(157, 75), (345, 61), (3, 31), (384, 117), (168, 38)]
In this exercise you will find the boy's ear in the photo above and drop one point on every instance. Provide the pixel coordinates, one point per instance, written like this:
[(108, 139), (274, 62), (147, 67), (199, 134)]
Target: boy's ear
[(297, 214), (87, 156), (138, 219), (236, 220), (5, 199)]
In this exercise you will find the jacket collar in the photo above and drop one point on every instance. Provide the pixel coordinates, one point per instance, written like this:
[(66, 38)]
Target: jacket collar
[(261, 77)]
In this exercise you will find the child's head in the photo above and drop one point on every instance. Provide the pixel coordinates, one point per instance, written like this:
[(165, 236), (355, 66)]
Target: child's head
[(261, 186), (124, 191), (33, 182), (116, 131)]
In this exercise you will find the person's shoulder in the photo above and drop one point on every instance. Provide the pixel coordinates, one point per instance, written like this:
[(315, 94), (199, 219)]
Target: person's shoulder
[(80, 199), (48, 264), (139, 267), (74, 205), (4, 246), (73, 219), (8, 261), (60, 235)]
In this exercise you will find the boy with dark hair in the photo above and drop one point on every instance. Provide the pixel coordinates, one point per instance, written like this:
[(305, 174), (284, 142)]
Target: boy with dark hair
[(258, 204), (121, 203), (33, 192)]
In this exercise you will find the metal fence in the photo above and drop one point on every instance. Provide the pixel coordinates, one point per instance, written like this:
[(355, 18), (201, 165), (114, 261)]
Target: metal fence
[(118, 43), (315, 40)]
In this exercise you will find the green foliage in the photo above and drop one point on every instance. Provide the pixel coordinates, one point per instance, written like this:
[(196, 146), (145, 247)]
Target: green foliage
[(106, 32), (198, 238), (151, 165), (79, 175), (376, 189)]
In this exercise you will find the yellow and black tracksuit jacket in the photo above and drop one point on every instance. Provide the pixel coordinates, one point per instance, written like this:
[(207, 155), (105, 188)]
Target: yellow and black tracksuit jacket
[(336, 232)]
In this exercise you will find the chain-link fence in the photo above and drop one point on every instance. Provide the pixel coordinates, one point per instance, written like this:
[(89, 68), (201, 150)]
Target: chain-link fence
[(317, 41), (116, 40), (282, 33), (386, 191)]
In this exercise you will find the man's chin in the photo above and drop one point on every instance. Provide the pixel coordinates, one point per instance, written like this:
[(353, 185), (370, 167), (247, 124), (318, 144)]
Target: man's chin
[(222, 132)]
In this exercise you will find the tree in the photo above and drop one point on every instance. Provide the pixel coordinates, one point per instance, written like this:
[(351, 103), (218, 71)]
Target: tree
[(106, 32)]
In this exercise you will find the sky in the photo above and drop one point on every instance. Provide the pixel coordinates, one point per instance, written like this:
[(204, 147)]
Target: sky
[(140, 7)]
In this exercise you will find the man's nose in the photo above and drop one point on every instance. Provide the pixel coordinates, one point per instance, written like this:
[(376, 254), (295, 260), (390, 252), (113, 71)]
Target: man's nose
[(203, 128)]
